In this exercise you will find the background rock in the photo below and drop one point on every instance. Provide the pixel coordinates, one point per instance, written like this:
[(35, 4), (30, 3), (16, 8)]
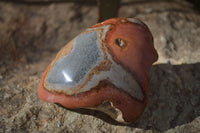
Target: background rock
[(31, 35)]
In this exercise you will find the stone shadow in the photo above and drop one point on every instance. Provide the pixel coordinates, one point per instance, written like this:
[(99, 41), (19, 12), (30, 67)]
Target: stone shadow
[(174, 97)]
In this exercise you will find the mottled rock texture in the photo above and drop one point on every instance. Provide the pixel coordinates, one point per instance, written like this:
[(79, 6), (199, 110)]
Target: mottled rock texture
[(32, 34)]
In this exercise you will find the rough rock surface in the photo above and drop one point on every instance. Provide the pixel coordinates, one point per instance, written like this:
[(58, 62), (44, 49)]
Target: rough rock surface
[(31, 35)]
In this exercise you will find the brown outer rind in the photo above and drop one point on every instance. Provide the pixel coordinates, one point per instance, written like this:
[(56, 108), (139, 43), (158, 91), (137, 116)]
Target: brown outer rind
[(139, 39)]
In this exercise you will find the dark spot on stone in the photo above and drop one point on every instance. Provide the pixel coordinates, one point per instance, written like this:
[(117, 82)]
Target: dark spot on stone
[(120, 42)]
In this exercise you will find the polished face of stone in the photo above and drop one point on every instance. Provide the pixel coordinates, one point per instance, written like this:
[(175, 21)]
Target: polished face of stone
[(69, 70), (69, 74)]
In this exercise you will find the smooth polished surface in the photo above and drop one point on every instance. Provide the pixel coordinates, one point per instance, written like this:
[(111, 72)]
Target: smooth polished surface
[(72, 69), (70, 73), (108, 62)]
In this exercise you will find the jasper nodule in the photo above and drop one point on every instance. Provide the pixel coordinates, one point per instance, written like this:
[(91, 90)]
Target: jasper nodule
[(104, 68)]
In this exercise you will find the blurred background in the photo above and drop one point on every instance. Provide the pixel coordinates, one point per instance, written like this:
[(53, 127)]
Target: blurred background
[(33, 31)]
